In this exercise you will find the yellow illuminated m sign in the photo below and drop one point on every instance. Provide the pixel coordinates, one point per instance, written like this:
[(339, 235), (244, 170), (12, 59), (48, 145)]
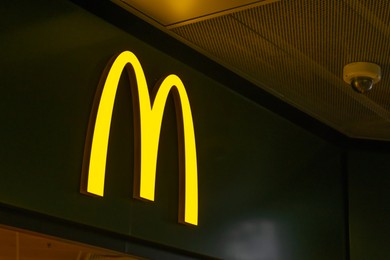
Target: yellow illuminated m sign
[(148, 118)]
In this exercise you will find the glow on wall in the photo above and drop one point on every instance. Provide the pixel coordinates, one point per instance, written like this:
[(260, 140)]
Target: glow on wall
[(148, 119)]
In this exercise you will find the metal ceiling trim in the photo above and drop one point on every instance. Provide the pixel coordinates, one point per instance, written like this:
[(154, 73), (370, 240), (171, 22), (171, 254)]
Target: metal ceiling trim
[(221, 13), (145, 16)]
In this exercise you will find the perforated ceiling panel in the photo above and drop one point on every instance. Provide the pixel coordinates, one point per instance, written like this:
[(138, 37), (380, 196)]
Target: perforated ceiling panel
[(296, 50)]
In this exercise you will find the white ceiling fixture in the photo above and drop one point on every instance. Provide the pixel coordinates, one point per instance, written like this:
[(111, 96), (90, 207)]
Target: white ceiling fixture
[(362, 75)]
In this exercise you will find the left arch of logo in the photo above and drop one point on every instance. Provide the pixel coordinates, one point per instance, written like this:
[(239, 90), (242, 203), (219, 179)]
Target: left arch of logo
[(147, 133)]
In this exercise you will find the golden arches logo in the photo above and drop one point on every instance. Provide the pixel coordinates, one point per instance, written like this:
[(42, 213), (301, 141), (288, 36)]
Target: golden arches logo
[(148, 118)]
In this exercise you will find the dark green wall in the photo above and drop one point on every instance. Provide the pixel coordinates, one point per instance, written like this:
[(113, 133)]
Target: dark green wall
[(268, 188), (369, 193)]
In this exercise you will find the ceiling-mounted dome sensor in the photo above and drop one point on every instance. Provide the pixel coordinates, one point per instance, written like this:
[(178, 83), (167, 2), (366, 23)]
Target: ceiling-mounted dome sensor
[(361, 76)]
